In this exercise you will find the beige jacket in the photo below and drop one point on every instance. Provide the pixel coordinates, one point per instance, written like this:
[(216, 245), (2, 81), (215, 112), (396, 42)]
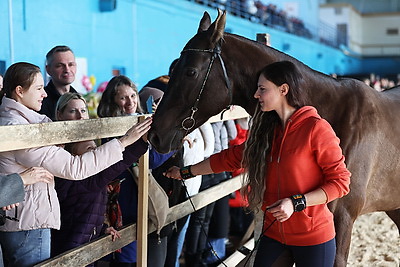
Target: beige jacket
[(40, 208)]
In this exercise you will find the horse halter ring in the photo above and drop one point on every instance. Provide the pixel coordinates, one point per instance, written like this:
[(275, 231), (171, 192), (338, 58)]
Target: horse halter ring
[(216, 52)]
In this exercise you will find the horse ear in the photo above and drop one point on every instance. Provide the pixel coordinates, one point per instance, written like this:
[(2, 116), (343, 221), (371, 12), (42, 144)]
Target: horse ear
[(205, 22), (217, 28)]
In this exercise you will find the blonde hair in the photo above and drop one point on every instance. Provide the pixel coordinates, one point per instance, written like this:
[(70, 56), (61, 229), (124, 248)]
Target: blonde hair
[(65, 99)]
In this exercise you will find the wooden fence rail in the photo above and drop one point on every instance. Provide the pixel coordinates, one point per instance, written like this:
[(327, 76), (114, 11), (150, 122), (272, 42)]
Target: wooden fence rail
[(15, 137), (102, 246)]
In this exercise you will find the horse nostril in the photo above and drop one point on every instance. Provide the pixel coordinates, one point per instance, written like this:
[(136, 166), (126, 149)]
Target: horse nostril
[(153, 139)]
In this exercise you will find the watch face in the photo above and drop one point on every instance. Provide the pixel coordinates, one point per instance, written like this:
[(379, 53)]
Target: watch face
[(299, 205)]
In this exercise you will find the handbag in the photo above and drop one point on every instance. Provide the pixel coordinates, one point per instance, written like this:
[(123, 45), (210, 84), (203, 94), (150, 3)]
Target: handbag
[(2, 217), (158, 207)]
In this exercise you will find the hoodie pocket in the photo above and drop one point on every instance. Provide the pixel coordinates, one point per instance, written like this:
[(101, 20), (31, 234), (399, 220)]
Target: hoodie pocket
[(298, 223)]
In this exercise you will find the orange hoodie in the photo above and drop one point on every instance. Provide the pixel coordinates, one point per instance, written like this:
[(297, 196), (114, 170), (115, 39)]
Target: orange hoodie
[(305, 156)]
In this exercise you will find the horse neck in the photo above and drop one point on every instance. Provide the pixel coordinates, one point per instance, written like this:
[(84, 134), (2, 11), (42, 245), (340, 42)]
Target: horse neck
[(244, 59), (321, 90)]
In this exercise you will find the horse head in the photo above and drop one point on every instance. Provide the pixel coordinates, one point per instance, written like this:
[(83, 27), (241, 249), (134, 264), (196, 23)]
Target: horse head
[(191, 97)]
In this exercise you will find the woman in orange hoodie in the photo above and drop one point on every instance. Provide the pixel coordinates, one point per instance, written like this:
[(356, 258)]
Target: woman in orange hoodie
[(299, 169)]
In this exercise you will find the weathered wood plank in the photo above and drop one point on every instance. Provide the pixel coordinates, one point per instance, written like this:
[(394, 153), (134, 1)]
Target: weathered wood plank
[(204, 198), (236, 112), (13, 137), (238, 259), (90, 252)]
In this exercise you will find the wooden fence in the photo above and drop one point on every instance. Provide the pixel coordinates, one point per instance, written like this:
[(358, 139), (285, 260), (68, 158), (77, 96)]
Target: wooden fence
[(34, 135)]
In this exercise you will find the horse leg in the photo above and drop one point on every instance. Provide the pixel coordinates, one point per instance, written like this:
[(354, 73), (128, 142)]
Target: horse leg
[(395, 216), (344, 220)]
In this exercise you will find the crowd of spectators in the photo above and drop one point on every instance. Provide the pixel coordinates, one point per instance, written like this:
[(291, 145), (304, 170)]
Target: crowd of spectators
[(376, 81), (258, 12), (381, 83)]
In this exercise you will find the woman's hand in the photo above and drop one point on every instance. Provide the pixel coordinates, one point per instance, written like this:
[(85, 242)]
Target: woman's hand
[(9, 207), (135, 132), (282, 209), (173, 172), (36, 174), (114, 233), (188, 140)]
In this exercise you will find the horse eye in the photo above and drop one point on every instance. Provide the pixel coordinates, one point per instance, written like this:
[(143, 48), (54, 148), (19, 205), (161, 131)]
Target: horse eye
[(191, 72)]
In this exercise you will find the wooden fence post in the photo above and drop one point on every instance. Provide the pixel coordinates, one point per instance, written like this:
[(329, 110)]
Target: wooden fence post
[(143, 203)]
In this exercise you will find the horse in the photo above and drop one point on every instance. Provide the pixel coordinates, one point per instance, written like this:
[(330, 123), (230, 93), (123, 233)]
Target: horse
[(218, 69)]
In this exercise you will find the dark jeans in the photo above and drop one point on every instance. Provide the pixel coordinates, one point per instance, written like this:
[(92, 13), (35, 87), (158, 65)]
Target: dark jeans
[(157, 251), (275, 254), (172, 246), (197, 232)]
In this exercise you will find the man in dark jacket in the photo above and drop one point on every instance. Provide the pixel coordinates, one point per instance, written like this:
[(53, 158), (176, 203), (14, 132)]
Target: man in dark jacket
[(61, 66)]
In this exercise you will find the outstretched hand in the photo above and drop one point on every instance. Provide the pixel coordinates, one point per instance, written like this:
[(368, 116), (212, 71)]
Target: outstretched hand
[(36, 174), (135, 132), (174, 173)]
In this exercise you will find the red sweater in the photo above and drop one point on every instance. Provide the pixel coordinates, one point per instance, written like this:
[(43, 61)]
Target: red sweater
[(305, 156)]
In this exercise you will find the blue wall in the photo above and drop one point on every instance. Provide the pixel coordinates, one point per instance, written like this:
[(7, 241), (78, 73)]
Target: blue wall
[(141, 36)]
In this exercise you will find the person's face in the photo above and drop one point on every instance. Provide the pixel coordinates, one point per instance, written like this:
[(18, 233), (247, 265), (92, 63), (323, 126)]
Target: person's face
[(270, 96), (75, 110), (126, 99), (32, 97), (63, 68)]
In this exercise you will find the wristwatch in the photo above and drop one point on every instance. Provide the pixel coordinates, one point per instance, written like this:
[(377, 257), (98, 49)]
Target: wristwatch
[(299, 202)]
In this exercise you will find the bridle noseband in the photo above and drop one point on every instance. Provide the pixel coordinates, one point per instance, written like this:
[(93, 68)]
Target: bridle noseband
[(216, 52)]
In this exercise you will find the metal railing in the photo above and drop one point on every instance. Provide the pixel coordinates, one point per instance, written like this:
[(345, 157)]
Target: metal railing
[(276, 19)]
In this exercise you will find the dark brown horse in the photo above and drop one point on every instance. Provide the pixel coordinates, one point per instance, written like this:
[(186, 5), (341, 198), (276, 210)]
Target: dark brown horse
[(216, 69)]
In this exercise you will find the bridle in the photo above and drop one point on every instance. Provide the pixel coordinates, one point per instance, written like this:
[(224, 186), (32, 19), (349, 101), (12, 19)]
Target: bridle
[(216, 52)]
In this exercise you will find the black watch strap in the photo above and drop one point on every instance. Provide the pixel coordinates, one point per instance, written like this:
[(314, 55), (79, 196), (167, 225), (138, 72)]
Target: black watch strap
[(299, 202), (186, 172)]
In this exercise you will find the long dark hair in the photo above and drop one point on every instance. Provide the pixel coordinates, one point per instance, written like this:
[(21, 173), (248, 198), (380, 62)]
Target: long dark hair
[(18, 74), (262, 128), (107, 106)]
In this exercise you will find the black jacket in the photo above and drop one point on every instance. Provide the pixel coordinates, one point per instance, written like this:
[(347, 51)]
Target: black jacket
[(50, 102)]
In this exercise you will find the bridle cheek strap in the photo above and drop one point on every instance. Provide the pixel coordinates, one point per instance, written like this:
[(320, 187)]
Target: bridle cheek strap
[(216, 52)]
